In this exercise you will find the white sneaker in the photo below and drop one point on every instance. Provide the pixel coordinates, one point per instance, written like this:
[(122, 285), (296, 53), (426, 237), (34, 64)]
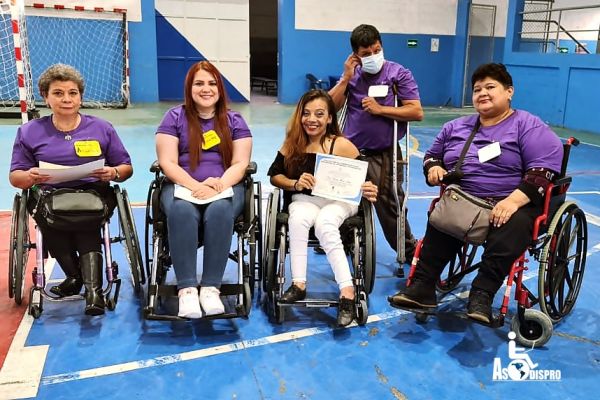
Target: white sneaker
[(210, 301), (188, 303)]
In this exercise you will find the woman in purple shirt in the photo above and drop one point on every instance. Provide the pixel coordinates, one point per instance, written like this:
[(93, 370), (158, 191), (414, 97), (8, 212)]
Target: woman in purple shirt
[(204, 147), (513, 158), (69, 138)]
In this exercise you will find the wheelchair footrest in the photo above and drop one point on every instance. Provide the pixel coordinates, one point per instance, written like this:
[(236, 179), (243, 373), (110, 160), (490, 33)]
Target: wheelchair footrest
[(312, 303)]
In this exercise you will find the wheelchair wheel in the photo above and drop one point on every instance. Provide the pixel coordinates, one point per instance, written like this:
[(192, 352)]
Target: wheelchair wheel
[(362, 309), (19, 248), (562, 262), (271, 245), (368, 246), (450, 278), (258, 232), (132, 244), (535, 331)]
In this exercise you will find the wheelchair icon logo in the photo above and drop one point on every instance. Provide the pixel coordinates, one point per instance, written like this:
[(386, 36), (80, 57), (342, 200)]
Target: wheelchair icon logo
[(521, 367)]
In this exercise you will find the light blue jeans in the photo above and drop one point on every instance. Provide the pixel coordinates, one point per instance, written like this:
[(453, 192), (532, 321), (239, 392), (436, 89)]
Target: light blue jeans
[(185, 219)]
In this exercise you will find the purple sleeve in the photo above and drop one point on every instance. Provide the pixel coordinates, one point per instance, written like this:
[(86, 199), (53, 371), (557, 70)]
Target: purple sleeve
[(437, 148), (169, 124), (540, 147), (407, 85), (22, 157), (239, 128), (116, 154)]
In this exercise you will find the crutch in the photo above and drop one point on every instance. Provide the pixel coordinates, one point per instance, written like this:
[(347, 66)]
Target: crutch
[(401, 208)]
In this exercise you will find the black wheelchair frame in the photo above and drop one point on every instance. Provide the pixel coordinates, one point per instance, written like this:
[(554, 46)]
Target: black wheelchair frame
[(561, 225), (21, 244), (247, 227), (358, 236)]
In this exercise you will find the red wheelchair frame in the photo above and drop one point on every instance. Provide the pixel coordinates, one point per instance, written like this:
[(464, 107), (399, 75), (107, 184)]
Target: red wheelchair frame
[(553, 236)]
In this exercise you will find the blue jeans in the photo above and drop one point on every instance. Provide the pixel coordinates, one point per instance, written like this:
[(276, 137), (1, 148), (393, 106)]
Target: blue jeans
[(185, 220)]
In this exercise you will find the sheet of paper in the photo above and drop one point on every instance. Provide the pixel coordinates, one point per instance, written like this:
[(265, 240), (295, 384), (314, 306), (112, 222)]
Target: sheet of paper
[(339, 178), (181, 192), (65, 173)]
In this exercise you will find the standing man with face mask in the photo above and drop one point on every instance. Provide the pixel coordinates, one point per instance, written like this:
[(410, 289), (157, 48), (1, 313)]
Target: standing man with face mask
[(368, 84)]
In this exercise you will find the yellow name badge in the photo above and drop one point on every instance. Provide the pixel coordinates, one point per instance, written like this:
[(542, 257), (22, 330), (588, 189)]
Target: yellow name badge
[(211, 139), (88, 148)]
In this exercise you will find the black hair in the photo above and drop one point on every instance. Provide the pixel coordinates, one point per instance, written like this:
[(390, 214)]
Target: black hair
[(364, 36), (495, 71)]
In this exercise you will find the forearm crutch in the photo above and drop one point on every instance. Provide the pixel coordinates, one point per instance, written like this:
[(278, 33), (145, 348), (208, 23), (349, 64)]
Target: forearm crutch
[(400, 208)]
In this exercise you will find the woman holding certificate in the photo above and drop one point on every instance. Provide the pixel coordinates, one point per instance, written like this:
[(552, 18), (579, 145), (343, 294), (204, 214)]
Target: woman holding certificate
[(205, 148), (313, 129), (69, 138)]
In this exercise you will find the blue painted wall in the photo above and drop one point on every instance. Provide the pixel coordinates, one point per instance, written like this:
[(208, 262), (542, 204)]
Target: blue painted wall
[(142, 57), (561, 88), (323, 53)]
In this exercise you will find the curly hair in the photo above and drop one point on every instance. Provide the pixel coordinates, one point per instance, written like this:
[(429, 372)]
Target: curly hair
[(60, 72)]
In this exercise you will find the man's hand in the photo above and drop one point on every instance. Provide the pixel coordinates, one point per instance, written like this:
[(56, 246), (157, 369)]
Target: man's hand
[(370, 105), (350, 64)]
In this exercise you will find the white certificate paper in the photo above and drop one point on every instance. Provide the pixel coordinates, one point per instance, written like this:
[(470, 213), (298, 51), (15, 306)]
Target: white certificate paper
[(65, 173), (181, 192), (339, 178)]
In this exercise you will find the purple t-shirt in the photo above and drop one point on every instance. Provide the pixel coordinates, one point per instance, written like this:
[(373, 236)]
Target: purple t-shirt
[(175, 124), (39, 140), (375, 132), (525, 142)]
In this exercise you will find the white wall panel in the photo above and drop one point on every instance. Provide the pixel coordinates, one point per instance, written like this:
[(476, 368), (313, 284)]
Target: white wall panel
[(219, 30), (389, 16)]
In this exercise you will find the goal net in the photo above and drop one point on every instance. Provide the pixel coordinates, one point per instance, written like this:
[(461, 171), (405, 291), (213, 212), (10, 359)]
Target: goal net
[(93, 41)]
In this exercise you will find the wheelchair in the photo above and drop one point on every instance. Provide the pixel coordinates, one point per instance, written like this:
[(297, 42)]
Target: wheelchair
[(358, 238), (21, 243), (236, 297), (559, 244)]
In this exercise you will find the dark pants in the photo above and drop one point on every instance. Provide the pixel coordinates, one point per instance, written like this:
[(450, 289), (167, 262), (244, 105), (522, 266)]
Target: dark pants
[(381, 174), (502, 247), (67, 245)]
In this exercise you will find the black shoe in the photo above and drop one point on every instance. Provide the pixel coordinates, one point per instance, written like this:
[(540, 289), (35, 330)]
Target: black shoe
[(480, 306), (418, 295), (91, 271), (71, 286), (293, 294), (345, 314)]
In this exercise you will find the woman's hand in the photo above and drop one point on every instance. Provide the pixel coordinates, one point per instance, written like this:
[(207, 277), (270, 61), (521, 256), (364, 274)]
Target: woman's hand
[(36, 177), (105, 174), (502, 212), (306, 181), (214, 183), (369, 191), (204, 192), (435, 175)]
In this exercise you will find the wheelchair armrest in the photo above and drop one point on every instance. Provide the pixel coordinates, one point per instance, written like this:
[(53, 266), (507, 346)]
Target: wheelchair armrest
[(251, 168), (563, 181), (155, 167)]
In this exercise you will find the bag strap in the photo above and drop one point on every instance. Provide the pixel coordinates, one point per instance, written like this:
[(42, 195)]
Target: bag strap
[(463, 153)]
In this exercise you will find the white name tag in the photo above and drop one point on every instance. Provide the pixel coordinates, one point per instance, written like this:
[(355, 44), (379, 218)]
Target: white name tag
[(488, 152), (378, 91)]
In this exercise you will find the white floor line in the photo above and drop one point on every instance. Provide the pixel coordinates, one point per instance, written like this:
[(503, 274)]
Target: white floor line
[(22, 370), (202, 353), (227, 348)]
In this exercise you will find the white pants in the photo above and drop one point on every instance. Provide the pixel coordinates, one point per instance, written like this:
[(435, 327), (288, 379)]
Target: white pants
[(327, 216)]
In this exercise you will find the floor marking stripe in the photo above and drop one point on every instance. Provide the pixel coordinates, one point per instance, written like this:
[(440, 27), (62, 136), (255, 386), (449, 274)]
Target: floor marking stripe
[(202, 353), (22, 370), (228, 348)]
